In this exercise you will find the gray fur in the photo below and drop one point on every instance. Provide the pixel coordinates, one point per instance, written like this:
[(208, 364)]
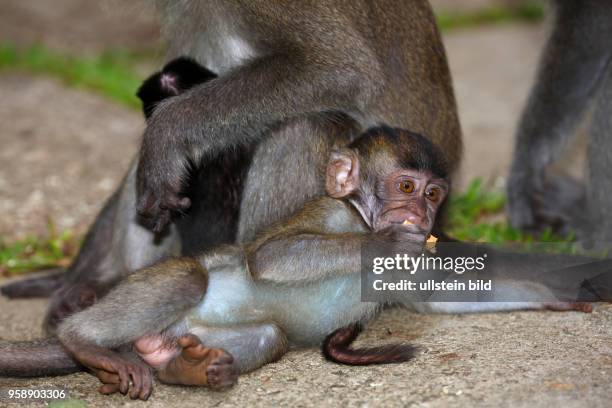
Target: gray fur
[(572, 78), (158, 297), (50, 358)]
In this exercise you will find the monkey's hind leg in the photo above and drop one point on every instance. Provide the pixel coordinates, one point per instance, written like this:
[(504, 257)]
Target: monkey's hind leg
[(251, 345), (143, 304), (197, 364)]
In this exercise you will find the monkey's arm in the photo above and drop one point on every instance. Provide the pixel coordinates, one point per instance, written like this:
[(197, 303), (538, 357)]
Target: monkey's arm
[(238, 107), (306, 256), (322, 239)]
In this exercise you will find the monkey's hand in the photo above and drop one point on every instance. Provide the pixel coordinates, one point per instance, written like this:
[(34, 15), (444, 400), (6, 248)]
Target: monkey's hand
[(163, 169), (399, 233)]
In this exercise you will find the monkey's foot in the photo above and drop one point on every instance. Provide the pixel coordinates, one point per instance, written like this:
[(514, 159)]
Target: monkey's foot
[(118, 373), (199, 365), (584, 307)]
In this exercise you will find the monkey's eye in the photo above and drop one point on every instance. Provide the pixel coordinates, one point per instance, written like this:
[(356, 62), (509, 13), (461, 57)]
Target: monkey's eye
[(406, 186), (433, 194)]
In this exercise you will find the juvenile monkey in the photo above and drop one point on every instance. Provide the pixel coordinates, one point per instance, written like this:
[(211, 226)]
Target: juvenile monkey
[(296, 283)]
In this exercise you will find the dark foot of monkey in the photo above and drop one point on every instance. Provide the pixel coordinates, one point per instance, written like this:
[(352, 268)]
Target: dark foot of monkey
[(552, 208), (199, 365), (68, 300), (584, 307)]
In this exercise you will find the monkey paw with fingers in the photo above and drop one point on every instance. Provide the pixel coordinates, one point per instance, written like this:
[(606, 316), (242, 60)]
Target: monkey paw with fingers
[(199, 365), (551, 206), (405, 235), (157, 211), (162, 171), (118, 373)]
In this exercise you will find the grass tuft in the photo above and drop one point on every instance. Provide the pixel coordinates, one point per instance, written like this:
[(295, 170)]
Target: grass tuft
[(36, 253), (111, 73), (471, 214), (527, 10)]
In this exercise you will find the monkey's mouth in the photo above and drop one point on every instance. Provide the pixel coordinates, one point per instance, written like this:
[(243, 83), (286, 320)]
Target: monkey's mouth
[(410, 229)]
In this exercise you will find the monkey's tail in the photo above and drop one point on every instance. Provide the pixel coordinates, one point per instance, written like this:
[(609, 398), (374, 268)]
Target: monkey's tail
[(35, 358), (336, 348)]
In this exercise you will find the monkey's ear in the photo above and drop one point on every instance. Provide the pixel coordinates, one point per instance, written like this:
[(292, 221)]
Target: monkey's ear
[(342, 173)]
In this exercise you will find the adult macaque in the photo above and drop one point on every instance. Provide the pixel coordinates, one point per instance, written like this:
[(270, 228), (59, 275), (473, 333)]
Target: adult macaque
[(201, 321), (574, 78), (284, 71)]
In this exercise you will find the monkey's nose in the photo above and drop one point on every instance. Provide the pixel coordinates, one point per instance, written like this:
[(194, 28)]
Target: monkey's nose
[(417, 220)]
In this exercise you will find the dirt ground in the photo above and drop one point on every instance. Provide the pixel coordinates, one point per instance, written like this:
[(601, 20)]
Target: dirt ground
[(522, 359), (64, 151)]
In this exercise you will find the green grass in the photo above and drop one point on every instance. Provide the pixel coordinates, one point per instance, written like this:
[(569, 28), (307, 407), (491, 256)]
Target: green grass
[(470, 213), (527, 10), (36, 253), (111, 74)]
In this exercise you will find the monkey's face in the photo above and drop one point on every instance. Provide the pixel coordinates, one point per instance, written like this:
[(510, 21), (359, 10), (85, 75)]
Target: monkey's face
[(409, 199)]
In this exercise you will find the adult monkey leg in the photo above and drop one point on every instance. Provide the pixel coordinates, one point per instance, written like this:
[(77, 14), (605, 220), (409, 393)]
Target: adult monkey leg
[(573, 64), (116, 245), (599, 183)]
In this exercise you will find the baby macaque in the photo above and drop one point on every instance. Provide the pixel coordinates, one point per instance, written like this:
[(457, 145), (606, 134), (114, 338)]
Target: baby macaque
[(202, 321), (176, 77)]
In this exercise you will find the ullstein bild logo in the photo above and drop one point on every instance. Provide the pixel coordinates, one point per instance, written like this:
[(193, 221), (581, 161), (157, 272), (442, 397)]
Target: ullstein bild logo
[(460, 272)]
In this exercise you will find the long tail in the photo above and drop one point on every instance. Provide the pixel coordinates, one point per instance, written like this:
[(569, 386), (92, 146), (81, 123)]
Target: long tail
[(35, 358), (336, 348)]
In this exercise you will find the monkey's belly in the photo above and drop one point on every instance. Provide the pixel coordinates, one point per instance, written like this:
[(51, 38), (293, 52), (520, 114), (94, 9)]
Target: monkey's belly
[(305, 312)]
